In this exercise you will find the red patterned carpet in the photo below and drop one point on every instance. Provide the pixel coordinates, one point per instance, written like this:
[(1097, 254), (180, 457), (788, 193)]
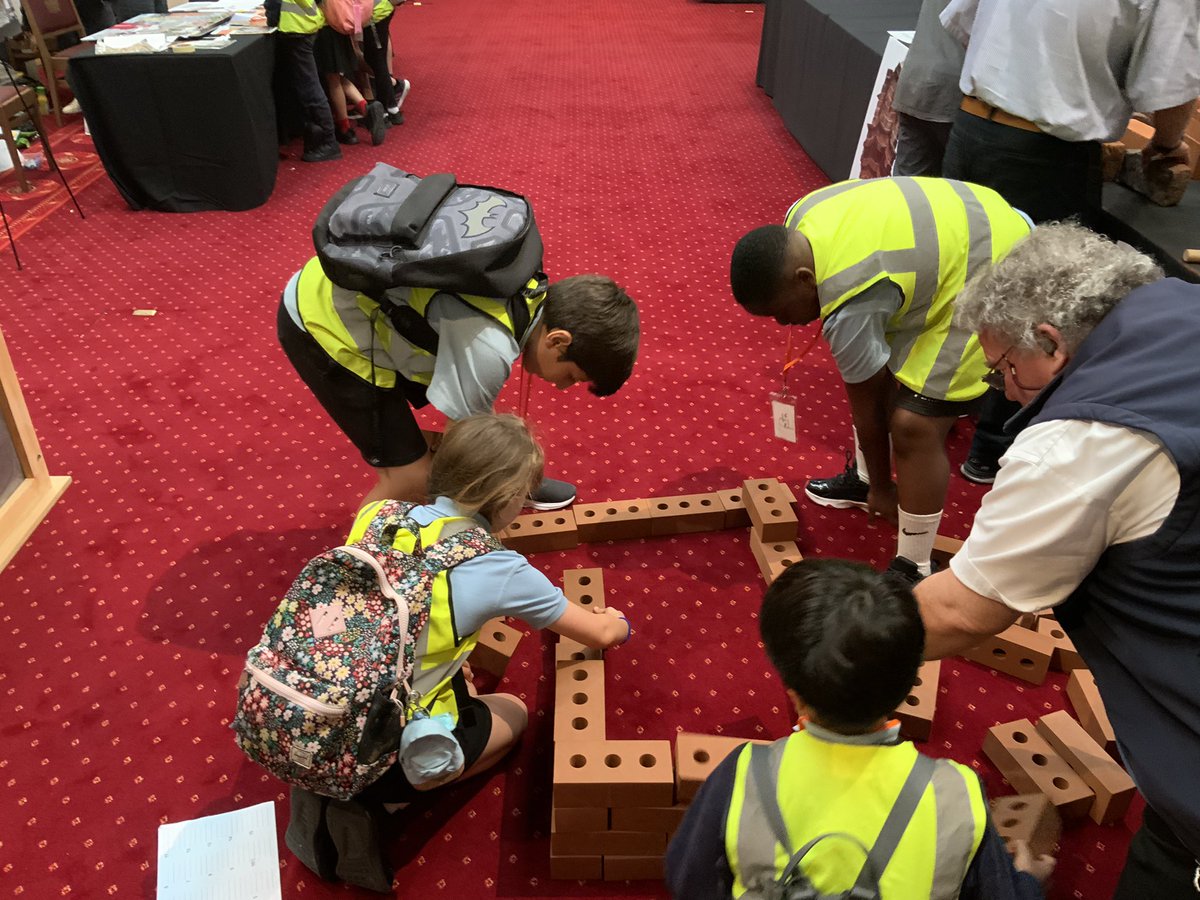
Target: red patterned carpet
[(205, 474)]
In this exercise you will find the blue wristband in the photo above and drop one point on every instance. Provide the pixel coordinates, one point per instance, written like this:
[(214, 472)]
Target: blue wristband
[(628, 631)]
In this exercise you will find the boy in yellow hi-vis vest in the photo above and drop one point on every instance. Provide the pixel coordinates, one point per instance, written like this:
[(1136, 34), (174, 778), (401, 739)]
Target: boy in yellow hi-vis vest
[(847, 642), (880, 263)]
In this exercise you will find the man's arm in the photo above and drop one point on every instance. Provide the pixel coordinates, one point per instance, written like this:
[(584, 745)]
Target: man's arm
[(870, 404), (1167, 146), (956, 617)]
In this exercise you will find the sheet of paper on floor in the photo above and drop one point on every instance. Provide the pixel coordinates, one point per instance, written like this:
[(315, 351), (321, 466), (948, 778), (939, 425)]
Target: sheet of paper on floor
[(229, 856)]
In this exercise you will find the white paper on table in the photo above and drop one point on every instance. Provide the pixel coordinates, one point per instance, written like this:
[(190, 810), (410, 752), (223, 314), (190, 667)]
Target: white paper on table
[(197, 6), (134, 43), (230, 856)]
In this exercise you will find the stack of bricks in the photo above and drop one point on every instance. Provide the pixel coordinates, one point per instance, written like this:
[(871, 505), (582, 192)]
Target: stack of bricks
[(1138, 135), (613, 801), (774, 525)]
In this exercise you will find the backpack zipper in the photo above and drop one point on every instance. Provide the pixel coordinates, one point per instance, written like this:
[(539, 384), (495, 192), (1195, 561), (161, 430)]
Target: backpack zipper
[(275, 686)]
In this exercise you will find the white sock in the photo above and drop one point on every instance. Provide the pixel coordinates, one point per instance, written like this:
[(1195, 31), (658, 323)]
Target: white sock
[(859, 460), (915, 539)]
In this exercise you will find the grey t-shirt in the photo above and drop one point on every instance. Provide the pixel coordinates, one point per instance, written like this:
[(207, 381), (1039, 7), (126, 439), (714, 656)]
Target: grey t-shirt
[(928, 85), (857, 331)]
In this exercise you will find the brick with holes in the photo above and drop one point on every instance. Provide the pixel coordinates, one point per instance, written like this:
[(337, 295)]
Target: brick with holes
[(659, 820), (576, 868), (1015, 651), (1066, 658), (584, 587), (771, 513), (916, 712), (541, 532), (569, 651), (944, 549), (1089, 709), (1028, 817), (579, 819), (1031, 765), (686, 514), (734, 504), (696, 755), (495, 648), (616, 520), (632, 868), (579, 701), (773, 556), (1114, 789), (613, 774), (606, 842)]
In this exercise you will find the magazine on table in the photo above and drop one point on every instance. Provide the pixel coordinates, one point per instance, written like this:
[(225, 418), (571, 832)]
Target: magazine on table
[(171, 25)]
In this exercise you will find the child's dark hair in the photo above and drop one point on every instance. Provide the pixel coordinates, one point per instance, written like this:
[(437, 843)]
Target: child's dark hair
[(846, 638), (603, 321), (756, 267)]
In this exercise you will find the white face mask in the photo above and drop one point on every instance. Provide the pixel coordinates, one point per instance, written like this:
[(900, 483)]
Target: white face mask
[(430, 754)]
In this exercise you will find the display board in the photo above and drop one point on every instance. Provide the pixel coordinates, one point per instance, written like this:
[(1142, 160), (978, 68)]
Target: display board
[(27, 489)]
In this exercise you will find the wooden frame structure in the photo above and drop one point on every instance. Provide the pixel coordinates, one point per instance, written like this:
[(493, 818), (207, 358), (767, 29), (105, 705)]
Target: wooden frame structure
[(23, 507)]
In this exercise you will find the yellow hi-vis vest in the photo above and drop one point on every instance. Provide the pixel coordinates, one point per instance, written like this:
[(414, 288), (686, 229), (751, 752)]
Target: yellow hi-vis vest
[(300, 17), (440, 650), (341, 322), (824, 787), (927, 236), (381, 11)]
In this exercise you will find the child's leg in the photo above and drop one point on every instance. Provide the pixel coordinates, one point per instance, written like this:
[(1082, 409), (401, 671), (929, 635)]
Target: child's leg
[(374, 116), (337, 99), (402, 482), (509, 719), (922, 475)]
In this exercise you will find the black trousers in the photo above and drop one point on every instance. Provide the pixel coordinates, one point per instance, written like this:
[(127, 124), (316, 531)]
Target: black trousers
[(375, 52), (306, 82), (1158, 865)]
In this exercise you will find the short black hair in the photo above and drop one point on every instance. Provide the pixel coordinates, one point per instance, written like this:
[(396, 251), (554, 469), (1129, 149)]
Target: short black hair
[(847, 639), (756, 268), (603, 322)]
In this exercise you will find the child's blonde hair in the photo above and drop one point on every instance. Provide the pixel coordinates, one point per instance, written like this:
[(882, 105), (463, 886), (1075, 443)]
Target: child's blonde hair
[(484, 462)]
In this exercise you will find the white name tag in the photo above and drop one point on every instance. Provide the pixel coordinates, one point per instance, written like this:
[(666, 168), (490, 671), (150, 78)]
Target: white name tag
[(783, 412)]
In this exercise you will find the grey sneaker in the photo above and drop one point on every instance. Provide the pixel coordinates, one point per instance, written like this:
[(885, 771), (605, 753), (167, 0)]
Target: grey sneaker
[(308, 836), (376, 122), (361, 859), (551, 494)]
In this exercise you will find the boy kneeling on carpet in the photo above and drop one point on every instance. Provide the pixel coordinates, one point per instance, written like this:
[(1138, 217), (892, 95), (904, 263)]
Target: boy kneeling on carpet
[(844, 802), (481, 474)]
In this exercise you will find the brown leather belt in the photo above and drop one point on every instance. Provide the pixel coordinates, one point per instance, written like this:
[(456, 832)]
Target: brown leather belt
[(977, 107)]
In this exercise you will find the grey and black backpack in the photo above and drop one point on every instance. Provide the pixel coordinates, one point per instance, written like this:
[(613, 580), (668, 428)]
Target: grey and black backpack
[(391, 229)]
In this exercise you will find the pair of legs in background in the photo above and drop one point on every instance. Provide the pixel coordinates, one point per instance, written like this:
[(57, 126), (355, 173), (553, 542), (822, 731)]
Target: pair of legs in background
[(918, 427)]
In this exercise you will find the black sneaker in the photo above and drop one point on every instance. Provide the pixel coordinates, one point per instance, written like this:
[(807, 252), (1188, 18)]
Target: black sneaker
[(844, 491), (323, 153), (361, 857), (551, 494), (376, 122), (347, 137), (308, 836), (979, 470), (904, 570)]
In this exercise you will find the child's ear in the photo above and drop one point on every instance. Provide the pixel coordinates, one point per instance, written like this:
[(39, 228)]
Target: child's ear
[(559, 339)]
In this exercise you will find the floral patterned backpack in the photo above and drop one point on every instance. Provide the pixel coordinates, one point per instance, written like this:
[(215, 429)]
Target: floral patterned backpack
[(325, 693)]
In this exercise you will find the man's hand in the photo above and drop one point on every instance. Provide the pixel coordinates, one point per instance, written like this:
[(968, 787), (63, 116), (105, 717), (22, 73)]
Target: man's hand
[(1041, 868), (883, 502), (1156, 160)]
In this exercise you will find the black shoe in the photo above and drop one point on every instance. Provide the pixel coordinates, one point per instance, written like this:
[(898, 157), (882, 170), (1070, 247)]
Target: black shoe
[(348, 136), (551, 494), (844, 491), (323, 153), (979, 470), (904, 570), (361, 860), (395, 118), (307, 835), (376, 122)]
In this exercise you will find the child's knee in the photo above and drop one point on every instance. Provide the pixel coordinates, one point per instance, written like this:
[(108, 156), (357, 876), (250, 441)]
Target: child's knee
[(511, 711), (912, 432)]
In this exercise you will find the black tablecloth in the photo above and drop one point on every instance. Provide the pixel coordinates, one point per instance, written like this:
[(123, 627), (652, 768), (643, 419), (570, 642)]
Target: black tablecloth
[(182, 132), (818, 61), (1164, 232)]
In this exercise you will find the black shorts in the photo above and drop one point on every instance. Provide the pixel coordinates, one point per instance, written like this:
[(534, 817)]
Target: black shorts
[(379, 421), (472, 732), (907, 398)]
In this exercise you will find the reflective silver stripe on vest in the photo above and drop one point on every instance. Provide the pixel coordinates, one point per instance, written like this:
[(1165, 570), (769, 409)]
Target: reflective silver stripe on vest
[(297, 10), (926, 258), (401, 357), (979, 256), (756, 840), (801, 209), (955, 831)]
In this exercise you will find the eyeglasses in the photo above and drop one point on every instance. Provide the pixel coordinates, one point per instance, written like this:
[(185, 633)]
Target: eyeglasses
[(994, 377)]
